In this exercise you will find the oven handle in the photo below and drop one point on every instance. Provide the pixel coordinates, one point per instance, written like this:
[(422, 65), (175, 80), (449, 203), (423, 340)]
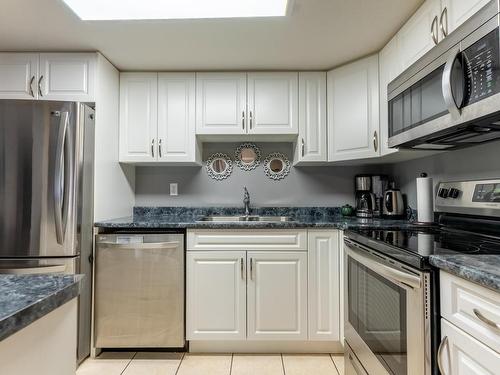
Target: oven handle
[(404, 279), (446, 83)]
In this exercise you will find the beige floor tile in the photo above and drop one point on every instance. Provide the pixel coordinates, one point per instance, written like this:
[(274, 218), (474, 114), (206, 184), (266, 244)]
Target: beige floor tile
[(154, 363), (109, 363), (201, 364), (338, 359), (308, 364), (263, 364)]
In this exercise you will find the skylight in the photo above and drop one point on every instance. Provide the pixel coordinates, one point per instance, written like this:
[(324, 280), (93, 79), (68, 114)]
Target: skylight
[(175, 9)]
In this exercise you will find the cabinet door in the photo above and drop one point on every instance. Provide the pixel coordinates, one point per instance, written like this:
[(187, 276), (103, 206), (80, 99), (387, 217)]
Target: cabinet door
[(324, 285), (138, 117), (311, 144), (277, 295), (273, 103), (415, 37), (176, 117), (221, 103), (353, 110), (215, 295), (67, 76), (464, 355), (459, 11), (390, 66), (18, 75)]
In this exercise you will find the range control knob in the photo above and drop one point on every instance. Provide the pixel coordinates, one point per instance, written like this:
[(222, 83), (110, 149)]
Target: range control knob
[(454, 193), (443, 193)]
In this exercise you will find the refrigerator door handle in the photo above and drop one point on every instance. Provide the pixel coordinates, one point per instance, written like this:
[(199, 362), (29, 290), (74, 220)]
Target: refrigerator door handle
[(56, 268), (63, 174)]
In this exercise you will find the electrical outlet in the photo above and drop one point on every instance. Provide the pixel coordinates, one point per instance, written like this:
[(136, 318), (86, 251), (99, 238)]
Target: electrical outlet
[(174, 190)]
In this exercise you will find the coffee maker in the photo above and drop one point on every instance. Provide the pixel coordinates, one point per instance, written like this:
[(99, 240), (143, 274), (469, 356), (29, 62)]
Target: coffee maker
[(365, 199)]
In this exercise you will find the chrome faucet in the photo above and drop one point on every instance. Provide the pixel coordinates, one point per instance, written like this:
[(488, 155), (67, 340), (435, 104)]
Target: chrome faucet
[(246, 201)]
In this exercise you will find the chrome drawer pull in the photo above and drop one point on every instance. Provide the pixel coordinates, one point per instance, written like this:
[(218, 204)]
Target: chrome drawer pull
[(444, 342), (485, 320)]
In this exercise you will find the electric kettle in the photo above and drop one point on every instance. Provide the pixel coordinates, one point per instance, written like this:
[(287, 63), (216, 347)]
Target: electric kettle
[(393, 203)]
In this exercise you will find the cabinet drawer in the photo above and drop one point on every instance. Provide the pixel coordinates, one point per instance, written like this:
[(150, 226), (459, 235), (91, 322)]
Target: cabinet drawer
[(462, 354), (471, 307), (283, 239)]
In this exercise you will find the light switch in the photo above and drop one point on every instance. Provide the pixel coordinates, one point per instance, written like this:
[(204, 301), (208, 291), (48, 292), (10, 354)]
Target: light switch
[(174, 189)]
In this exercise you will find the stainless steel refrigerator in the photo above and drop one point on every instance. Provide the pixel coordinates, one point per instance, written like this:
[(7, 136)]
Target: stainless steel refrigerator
[(46, 194)]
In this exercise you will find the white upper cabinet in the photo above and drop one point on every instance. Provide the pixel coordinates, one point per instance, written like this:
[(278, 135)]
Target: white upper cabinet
[(456, 12), (138, 117), (176, 117), (67, 76), (48, 76), (277, 295), (311, 145), (420, 33), (273, 103), (353, 110), (216, 295), (221, 103), (390, 66), (18, 75)]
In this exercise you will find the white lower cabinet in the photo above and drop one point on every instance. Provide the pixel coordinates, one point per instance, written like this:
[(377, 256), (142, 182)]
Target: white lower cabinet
[(260, 286), (216, 295), (324, 285), (464, 355), (277, 295)]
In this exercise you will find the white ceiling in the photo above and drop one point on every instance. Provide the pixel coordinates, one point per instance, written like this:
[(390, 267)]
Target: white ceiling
[(319, 34)]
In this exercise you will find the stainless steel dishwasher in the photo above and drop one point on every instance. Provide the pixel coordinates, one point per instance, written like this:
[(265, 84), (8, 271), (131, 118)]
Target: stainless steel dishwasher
[(139, 291)]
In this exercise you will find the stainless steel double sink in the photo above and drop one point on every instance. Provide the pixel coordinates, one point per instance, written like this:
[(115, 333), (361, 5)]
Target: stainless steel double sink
[(243, 218)]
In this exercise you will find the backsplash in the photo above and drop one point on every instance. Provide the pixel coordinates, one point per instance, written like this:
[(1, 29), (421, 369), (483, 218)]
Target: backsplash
[(304, 186)]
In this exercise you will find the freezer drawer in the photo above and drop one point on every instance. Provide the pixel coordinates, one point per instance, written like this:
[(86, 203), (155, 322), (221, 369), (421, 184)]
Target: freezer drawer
[(139, 291)]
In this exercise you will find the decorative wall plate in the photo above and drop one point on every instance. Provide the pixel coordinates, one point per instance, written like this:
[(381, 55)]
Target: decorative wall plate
[(276, 166), (219, 166), (247, 156)]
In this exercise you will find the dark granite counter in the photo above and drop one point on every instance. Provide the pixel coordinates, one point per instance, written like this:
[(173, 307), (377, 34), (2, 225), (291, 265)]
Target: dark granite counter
[(481, 269), (26, 298), (303, 217)]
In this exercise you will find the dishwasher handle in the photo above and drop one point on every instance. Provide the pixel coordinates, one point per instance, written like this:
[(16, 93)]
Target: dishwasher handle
[(142, 245)]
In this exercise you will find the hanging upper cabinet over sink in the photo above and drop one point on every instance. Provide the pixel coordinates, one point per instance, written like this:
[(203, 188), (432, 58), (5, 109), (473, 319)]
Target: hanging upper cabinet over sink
[(353, 110), (241, 103)]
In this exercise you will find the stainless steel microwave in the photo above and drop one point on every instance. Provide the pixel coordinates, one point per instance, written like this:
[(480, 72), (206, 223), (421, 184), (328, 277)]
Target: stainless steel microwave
[(450, 97)]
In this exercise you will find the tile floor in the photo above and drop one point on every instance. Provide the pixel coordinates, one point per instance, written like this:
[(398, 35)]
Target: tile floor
[(161, 363)]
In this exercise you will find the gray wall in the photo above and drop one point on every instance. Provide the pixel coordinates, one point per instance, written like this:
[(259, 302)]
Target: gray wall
[(304, 186), (479, 162)]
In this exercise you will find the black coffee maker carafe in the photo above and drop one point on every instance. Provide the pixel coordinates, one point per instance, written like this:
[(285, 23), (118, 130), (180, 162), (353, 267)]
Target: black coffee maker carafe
[(365, 199)]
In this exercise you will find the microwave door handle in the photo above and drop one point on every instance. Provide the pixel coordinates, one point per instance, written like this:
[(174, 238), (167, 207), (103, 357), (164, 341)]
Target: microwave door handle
[(447, 84)]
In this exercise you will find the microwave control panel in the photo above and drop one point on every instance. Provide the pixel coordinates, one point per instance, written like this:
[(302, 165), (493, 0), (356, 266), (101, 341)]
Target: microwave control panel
[(483, 67)]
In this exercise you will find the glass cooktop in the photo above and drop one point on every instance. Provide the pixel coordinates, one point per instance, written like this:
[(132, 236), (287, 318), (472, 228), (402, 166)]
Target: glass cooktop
[(414, 246)]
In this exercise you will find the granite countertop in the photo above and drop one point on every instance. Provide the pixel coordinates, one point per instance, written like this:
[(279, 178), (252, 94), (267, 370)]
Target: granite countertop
[(26, 298), (303, 217), (481, 269)]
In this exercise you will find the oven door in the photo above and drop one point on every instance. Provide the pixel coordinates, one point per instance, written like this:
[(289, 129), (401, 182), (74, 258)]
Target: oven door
[(387, 322)]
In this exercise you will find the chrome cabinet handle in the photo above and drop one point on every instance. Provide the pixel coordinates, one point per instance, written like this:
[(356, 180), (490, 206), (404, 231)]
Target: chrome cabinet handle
[(159, 148), (434, 30), (443, 27), (31, 86), (303, 147), (485, 320), (444, 342), (251, 119), (153, 147), (243, 120), (241, 269), (251, 269), (375, 141), (40, 85)]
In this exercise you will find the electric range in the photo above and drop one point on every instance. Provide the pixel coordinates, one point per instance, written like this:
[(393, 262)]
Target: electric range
[(391, 290)]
